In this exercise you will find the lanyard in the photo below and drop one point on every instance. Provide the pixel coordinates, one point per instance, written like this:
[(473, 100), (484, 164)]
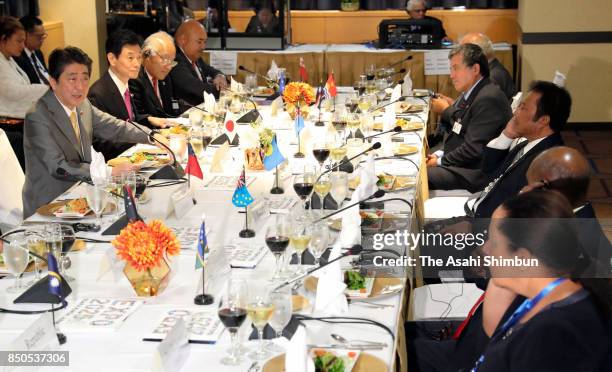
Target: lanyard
[(525, 307)]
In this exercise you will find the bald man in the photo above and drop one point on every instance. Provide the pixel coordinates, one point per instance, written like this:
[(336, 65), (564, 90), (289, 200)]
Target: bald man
[(567, 171), (192, 76)]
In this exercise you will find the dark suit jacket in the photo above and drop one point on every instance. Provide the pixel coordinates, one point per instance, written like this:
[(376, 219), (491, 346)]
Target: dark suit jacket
[(595, 243), (483, 117), (442, 34), (105, 95), (500, 76), (145, 99), (498, 163), (53, 153), (256, 27), (187, 85), (26, 65)]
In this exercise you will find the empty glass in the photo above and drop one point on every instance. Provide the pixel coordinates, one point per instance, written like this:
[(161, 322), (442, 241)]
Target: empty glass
[(282, 301), (195, 118), (68, 239), (178, 145), (319, 240), (339, 186), (16, 258), (250, 83), (97, 197)]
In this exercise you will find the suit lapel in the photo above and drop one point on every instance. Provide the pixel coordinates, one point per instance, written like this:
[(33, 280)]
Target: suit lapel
[(149, 91), (116, 98), (61, 120), (184, 59)]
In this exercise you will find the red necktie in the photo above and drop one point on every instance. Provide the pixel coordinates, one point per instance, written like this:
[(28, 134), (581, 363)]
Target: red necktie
[(128, 104), (465, 322), (156, 91)]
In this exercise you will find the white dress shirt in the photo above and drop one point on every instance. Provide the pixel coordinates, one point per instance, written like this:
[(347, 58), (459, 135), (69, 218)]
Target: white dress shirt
[(17, 94), (11, 183)]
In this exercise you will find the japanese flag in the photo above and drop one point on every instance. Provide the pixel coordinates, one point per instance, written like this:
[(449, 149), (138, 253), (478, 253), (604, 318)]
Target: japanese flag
[(230, 125)]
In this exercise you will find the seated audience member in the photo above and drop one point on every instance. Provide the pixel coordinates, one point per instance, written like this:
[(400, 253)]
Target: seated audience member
[(192, 76), (497, 72), (153, 91), (478, 116), (565, 170), (264, 21), (563, 326), (11, 183), (59, 130), (417, 9), (111, 92), (213, 19), (16, 92), (31, 59)]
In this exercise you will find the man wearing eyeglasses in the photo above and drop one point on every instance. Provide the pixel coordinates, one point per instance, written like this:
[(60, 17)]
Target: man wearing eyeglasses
[(153, 92), (31, 59), (417, 9)]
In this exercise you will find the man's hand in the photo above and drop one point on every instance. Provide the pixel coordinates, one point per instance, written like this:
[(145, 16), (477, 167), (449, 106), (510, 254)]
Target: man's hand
[(220, 82), (439, 104), (432, 160), (158, 122), (510, 130)]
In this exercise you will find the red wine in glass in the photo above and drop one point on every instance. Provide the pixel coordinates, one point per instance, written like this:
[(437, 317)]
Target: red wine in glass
[(321, 155), (277, 244), (303, 189), (232, 318)]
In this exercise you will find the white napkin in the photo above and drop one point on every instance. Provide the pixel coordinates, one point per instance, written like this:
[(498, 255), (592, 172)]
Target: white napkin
[(236, 86), (367, 184), (559, 79), (397, 93), (296, 356), (330, 298), (407, 86), (388, 119), (273, 71), (209, 102), (97, 168)]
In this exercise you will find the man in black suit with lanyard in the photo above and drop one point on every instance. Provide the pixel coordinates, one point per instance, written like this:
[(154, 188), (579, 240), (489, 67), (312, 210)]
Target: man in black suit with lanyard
[(111, 92), (192, 76), (31, 59), (477, 116)]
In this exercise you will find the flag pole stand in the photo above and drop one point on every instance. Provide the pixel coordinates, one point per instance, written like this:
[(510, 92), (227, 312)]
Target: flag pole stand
[(203, 298), (60, 336), (299, 154), (246, 232), (193, 200), (276, 190)]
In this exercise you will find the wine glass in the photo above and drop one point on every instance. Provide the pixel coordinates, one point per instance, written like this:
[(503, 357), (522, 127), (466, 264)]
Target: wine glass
[(320, 151), (339, 186), (277, 240), (303, 185), (97, 197), (114, 185), (338, 152), (16, 260), (381, 85), (339, 123), (195, 138), (195, 118), (318, 240), (53, 240), (282, 301), (353, 122), (259, 309), (300, 236), (370, 72), (321, 188), (232, 312), (250, 82), (34, 238), (68, 239), (364, 104)]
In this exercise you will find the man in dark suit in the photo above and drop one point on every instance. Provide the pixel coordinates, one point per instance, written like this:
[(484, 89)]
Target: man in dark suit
[(498, 73), (192, 76), (417, 9), (111, 92), (477, 116), (59, 130), (153, 91), (31, 59)]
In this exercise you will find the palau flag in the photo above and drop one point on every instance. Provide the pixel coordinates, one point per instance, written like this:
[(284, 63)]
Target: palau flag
[(202, 247), (55, 280), (193, 167), (275, 158), (242, 197)]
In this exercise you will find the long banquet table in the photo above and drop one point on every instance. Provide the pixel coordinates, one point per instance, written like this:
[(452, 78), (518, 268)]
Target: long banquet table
[(124, 350)]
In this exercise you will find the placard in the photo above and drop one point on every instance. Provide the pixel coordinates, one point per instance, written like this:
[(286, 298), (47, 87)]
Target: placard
[(203, 327), (173, 351), (224, 61), (98, 314), (437, 62)]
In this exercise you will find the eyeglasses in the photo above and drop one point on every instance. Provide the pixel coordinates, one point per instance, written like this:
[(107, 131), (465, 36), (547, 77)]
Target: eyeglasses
[(166, 61)]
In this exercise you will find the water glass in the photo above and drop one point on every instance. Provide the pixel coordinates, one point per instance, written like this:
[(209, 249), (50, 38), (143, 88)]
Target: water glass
[(339, 188), (319, 240), (283, 303), (97, 197), (16, 259)]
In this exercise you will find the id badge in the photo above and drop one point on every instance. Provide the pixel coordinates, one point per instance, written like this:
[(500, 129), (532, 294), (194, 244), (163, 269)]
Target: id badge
[(457, 127), (175, 105)]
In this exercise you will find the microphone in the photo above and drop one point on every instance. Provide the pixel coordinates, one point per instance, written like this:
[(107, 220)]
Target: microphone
[(354, 250), (401, 71), (419, 98), (400, 99), (167, 172), (396, 83), (271, 81), (408, 58), (375, 146), (397, 129), (182, 102), (377, 194)]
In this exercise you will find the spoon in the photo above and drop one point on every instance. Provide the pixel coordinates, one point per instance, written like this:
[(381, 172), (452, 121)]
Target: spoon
[(343, 340)]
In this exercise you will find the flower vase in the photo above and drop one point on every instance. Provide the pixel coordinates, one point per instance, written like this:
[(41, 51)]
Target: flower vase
[(148, 282)]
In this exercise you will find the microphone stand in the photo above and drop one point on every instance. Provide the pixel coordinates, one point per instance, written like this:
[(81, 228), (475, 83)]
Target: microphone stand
[(400, 99), (374, 146), (377, 194), (267, 79), (400, 61)]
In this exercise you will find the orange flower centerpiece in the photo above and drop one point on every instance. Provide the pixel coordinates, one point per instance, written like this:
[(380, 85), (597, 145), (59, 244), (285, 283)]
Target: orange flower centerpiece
[(145, 249), (298, 96)]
